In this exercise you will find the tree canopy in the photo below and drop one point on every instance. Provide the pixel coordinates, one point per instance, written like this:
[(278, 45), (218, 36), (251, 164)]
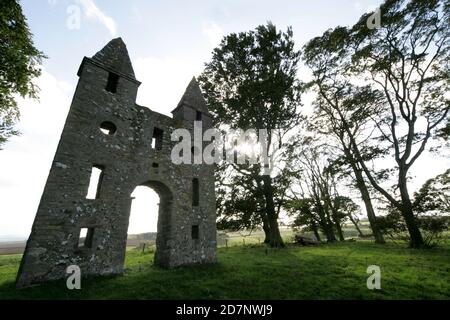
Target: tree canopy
[(383, 92), (251, 83), (20, 63)]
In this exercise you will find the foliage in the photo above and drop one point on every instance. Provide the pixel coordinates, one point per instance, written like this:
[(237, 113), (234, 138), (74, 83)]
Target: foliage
[(251, 83), (303, 210), (434, 195), (393, 225), (240, 204), (433, 227), (19, 64), (383, 91), (251, 80)]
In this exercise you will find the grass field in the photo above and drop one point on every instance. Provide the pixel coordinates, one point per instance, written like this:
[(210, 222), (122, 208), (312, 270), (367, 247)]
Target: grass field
[(331, 271)]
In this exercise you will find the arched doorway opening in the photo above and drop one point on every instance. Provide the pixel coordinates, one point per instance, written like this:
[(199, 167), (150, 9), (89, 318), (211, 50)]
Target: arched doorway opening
[(142, 227), (149, 219)]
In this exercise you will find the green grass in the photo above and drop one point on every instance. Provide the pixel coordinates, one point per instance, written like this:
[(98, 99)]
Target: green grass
[(331, 271)]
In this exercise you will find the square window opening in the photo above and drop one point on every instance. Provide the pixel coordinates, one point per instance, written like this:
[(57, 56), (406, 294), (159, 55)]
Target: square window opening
[(113, 81), (95, 182), (157, 138), (195, 192), (86, 238), (195, 232)]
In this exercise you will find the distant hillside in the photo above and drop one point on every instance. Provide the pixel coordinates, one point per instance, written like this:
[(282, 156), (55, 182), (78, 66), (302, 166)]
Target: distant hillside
[(143, 236), (12, 238)]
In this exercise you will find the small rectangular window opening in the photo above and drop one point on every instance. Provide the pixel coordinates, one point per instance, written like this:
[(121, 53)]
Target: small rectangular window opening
[(195, 232), (198, 116), (195, 192), (95, 182), (155, 165), (86, 237), (113, 80), (157, 139)]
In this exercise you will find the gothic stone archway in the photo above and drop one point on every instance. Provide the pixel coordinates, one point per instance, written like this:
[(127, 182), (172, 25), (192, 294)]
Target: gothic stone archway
[(106, 130)]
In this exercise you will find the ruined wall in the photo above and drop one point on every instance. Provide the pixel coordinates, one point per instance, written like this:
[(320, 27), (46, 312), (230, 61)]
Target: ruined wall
[(128, 160)]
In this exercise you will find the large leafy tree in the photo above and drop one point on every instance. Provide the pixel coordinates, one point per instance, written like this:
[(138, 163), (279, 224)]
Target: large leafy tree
[(19, 63), (251, 83), (403, 68)]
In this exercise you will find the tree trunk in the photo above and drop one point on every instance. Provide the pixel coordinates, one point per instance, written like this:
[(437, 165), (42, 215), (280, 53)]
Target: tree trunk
[(316, 231), (330, 226), (356, 225), (275, 240), (263, 214), (329, 233), (333, 218), (406, 209), (337, 224), (327, 228), (265, 227), (324, 224), (365, 195)]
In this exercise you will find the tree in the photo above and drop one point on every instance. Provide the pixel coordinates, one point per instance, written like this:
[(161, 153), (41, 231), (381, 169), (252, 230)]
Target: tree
[(403, 69), (342, 111), (19, 64), (347, 207), (434, 195), (316, 183), (318, 205), (304, 214), (407, 60), (251, 83), (240, 203)]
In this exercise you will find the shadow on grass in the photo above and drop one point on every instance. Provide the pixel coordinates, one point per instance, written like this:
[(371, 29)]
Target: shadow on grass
[(330, 271)]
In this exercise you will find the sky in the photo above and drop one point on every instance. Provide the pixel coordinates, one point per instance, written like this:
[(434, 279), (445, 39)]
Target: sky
[(168, 43)]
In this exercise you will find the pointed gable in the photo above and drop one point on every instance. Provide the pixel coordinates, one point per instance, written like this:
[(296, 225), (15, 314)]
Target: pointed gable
[(193, 98), (115, 56)]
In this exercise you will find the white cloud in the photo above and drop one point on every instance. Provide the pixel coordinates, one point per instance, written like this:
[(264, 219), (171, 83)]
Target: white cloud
[(93, 12), (213, 32)]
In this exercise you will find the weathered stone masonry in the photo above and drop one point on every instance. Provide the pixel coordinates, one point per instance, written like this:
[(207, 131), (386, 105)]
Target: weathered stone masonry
[(105, 98)]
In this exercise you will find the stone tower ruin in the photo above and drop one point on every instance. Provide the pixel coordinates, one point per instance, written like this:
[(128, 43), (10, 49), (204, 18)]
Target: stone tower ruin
[(130, 146)]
